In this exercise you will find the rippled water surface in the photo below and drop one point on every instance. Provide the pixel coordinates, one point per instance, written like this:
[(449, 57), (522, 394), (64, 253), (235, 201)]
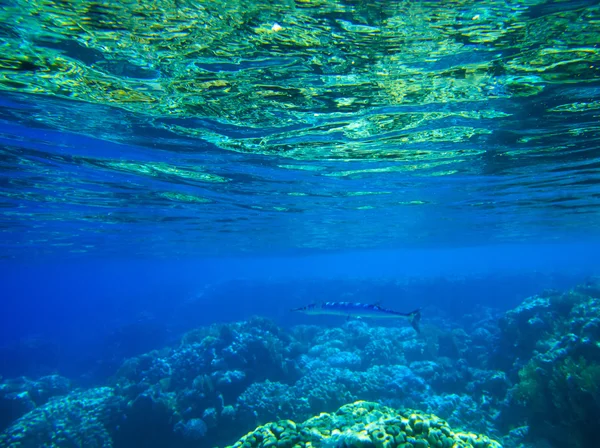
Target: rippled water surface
[(203, 127)]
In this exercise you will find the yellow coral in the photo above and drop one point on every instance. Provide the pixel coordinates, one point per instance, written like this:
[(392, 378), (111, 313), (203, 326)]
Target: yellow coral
[(364, 424)]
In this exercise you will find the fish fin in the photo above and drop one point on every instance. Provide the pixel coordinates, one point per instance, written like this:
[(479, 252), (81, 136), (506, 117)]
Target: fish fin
[(414, 319), (347, 318)]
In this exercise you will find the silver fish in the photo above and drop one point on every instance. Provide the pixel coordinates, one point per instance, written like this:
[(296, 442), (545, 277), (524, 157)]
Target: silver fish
[(354, 309)]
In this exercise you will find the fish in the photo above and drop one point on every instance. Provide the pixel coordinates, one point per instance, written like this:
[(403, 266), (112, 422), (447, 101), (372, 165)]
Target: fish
[(355, 309)]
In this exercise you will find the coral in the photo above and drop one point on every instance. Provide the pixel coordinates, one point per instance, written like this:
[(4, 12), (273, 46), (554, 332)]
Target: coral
[(192, 430), (332, 375), (517, 438), (557, 390), (522, 328), (78, 419), (358, 344), (490, 382), (21, 395), (445, 375), (531, 327), (364, 424), (223, 380), (529, 390), (148, 420), (226, 379), (345, 360), (563, 395), (201, 380), (458, 409), (327, 388), (266, 401)]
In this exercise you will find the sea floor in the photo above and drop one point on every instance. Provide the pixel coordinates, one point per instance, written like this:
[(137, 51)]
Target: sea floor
[(527, 377)]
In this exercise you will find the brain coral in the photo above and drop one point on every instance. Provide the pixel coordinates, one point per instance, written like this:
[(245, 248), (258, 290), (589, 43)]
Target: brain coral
[(364, 424)]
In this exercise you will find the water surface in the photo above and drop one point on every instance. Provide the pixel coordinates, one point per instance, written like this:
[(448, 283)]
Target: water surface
[(183, 128)]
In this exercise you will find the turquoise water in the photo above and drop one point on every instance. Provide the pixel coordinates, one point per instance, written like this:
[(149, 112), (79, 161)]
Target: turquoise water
[(293, 127)]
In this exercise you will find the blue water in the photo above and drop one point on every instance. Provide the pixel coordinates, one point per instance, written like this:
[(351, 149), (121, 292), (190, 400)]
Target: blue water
[(176, 177), (67, 194), (77, 306)]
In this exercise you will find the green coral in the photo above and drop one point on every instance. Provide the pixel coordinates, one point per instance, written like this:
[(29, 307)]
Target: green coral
[(364, 424), (574, 385), (558, 389), (530, 391), (580, 373), (561, 395)]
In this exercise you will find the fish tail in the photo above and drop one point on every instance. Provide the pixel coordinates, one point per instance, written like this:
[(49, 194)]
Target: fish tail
[(414, 319)]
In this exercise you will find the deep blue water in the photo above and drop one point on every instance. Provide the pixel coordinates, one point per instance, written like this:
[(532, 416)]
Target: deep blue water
[(73, 314)]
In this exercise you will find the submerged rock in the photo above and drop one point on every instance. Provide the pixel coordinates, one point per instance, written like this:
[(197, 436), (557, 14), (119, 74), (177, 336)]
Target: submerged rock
[(364, 424)]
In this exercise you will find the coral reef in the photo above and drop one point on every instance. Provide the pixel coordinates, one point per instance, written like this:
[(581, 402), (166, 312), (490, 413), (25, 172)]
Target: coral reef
[(364, 424), (190, 391), (325, 389), (21, 395), (556, 366), (246, 374), (395, 369), (530, 374), (81, 418)]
